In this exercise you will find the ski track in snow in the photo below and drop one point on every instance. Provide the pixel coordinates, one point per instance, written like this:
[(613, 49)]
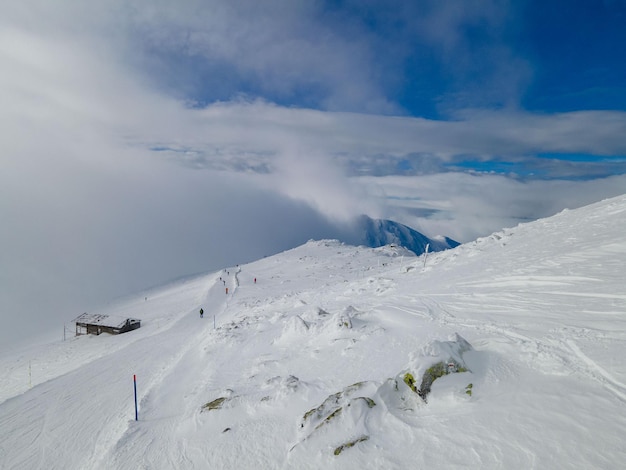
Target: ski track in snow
[(541, 351), (543, 305), (598, 373)]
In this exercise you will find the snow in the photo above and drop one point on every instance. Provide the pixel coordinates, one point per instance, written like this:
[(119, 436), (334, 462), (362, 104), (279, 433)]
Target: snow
[(103, 320), (310, 361)]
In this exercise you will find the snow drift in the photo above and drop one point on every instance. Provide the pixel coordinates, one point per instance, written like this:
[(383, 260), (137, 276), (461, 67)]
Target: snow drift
[(501, 353)]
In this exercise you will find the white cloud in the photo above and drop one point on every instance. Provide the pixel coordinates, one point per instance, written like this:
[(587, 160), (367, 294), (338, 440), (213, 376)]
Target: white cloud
[(228, 135), (286, 50), (466, 206), (89, 211)]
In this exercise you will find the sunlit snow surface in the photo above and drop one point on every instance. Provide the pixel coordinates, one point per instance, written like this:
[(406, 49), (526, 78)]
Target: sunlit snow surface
[(543, 306)]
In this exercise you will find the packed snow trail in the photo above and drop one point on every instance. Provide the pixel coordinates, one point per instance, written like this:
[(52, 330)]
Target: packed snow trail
[(95, 406), (172, 430), (173, 403)]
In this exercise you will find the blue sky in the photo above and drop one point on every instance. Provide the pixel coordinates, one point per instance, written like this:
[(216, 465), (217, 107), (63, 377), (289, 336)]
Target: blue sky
[(145, 140), (427, 59), (575, 50)]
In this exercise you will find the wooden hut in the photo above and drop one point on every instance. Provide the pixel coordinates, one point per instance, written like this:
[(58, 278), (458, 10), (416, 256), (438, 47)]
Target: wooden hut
[(94, 324)]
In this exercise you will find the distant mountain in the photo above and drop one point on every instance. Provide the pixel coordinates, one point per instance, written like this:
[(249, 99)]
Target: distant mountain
[(381, 232)]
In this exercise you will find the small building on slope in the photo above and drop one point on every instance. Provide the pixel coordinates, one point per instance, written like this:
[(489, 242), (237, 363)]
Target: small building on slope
[(94, 324)]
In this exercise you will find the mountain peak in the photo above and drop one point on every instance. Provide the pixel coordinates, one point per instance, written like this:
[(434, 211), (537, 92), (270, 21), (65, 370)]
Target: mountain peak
[(381, 232)]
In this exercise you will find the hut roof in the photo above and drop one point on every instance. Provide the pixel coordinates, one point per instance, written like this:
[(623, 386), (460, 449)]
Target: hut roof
[(110, 321)]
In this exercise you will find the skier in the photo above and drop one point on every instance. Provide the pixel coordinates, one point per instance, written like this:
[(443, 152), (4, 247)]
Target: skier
[(201, 313)]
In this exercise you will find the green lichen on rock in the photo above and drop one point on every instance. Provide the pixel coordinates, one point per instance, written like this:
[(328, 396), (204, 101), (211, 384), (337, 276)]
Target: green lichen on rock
[(330, 403), (368, 401), (431, 374), (308, 414), (214, 405), (354, 387), (347, 445), (410, 381), (344, 321), (334, 406), (436, 371), (330, 417)]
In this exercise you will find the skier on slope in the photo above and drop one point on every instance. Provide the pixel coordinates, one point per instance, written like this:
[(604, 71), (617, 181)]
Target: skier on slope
[(201, 313)]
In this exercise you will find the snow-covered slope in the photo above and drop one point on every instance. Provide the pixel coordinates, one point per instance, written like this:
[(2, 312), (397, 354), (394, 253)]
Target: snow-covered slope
[(318, 363)]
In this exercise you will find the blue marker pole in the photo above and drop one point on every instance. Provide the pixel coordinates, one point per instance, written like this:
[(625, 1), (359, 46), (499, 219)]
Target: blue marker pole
[(135, 384)]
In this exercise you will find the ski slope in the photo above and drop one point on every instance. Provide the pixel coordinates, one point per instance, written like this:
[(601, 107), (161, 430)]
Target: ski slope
[(306, 367)]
